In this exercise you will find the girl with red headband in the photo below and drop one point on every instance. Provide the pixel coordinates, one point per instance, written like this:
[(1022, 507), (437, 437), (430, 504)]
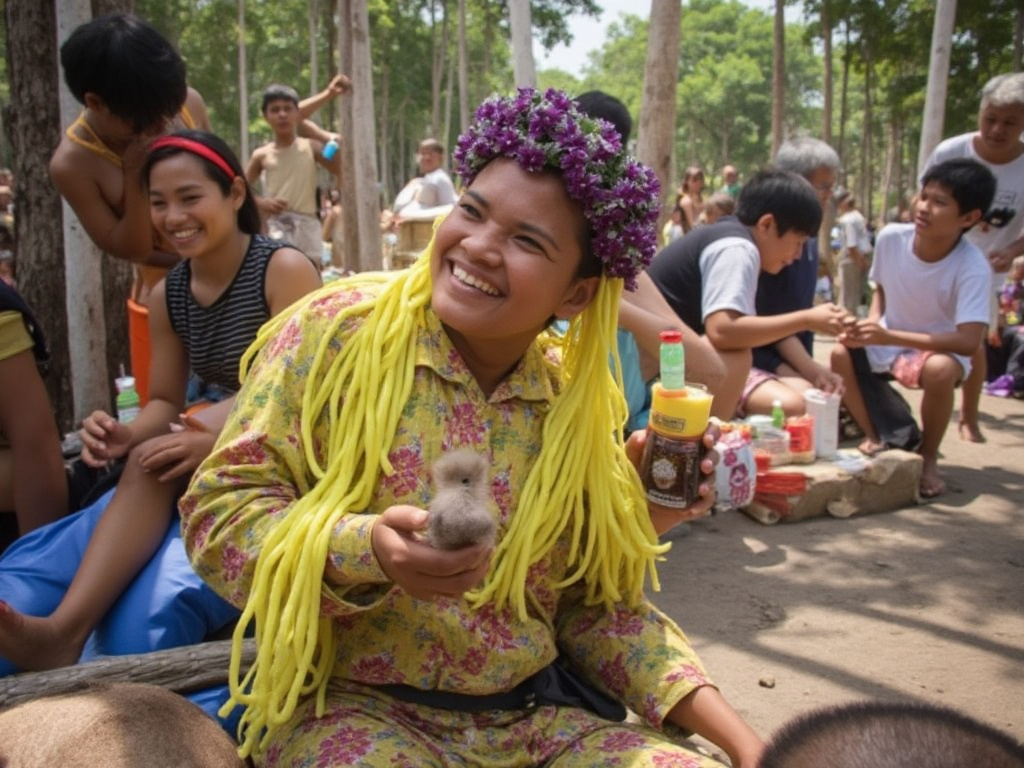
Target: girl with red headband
[(202, 317)]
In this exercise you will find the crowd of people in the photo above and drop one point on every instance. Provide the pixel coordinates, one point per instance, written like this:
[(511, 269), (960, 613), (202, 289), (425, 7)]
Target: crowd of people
[(277, 479)]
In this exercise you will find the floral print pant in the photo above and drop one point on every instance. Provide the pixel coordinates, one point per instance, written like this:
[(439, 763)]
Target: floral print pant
[(363, 727)]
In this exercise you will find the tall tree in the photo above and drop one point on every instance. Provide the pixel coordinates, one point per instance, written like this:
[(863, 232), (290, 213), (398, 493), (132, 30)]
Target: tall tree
[(658, 110), (33, 122), (463, 69), (778, 75), (826, 71), (243, 87), (522, 42), (360, 201), (938, 77)]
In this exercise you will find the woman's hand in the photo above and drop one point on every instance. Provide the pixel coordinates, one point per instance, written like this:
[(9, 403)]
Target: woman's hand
[(666, 518), (422, 571), (104, 439)]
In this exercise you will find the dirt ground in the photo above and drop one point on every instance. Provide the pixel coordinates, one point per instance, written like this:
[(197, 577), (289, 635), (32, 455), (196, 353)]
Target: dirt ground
[(924, 604)]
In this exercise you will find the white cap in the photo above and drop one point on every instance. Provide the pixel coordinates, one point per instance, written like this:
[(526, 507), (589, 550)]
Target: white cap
[(121, 383)]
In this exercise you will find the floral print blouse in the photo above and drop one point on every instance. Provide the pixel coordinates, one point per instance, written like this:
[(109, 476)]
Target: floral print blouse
[(259, 468)]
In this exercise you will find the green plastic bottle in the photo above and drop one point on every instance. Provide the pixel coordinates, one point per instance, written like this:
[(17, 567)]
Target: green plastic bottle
[(778, 415), (128, 404)]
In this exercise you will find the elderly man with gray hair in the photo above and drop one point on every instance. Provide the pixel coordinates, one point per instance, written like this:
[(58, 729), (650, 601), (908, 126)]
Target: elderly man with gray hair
[(1000, 234), (784, 370)]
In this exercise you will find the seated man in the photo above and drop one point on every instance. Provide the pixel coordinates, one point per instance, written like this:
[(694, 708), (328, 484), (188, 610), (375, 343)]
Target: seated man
[(791, 359), (433, 188), (930, 307), (710, 278)]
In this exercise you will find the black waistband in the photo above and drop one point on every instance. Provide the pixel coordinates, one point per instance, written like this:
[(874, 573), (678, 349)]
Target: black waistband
[(522, 696), (555, 684)]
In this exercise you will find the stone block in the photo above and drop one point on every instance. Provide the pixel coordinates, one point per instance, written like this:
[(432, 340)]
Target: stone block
[(844, 488)]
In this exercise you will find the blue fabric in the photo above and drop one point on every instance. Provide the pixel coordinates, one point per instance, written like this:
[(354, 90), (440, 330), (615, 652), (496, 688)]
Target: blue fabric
[(212, 699), (166, 606), (791, 290), (638, 394)]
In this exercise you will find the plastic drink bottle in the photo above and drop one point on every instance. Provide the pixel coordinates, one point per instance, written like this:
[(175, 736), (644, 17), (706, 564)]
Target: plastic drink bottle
[(127, 399), (670, 465), (330, 149)]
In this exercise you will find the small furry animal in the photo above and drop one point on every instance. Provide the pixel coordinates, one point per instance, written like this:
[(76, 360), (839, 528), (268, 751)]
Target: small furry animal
[(459, 515)]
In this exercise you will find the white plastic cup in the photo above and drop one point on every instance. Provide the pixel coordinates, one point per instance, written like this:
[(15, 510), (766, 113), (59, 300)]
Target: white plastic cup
[(824, 406)]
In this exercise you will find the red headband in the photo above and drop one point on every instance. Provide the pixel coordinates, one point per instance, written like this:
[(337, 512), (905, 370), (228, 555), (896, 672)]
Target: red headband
[(190, 145)]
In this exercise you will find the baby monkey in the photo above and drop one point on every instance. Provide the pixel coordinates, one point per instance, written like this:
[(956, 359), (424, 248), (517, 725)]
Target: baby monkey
[(459, 515)]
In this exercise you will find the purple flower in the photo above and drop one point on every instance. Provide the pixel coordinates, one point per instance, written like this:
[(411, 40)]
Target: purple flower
[(619, 196)]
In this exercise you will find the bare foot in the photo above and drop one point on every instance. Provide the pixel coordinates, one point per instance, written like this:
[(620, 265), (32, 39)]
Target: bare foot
[(871, 447), (931, 484), (32, 643), (971, 432)]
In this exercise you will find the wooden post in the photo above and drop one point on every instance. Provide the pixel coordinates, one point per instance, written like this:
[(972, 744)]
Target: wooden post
[(938, 77), (658, 110), (90, 376), (360, 198), (520, 22)]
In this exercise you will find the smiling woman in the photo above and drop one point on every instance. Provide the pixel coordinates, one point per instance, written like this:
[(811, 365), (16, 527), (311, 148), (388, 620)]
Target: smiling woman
[(202, 318), (310, 514)]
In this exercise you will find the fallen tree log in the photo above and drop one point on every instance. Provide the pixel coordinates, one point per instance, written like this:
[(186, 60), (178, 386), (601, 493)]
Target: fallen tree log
[(181, 670)]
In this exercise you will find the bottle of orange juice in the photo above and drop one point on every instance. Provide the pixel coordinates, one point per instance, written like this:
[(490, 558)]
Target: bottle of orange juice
[(670, 465)]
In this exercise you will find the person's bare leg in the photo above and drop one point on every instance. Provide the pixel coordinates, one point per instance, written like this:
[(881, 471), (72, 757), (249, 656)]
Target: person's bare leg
[(767, 392), (853, 399), (125, 538), (970, 398), (938, 381), (737, 366)]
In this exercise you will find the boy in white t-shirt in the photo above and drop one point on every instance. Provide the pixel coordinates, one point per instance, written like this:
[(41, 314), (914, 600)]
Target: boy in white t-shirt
[(930, 307), (997, 145)]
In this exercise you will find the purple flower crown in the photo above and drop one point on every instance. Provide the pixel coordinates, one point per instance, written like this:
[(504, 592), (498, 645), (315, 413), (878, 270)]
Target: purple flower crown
[(619, 196)]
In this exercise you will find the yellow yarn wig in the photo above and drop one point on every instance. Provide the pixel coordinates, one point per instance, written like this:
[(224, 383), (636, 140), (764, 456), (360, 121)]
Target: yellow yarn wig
[(581, 486)]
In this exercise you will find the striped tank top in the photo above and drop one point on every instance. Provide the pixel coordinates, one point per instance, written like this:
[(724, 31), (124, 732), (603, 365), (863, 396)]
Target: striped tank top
[(215, 337)]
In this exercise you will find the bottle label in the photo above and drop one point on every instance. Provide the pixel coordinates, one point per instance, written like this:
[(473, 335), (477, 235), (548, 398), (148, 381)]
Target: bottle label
[(664, 422), (670, 469), (127, 415)]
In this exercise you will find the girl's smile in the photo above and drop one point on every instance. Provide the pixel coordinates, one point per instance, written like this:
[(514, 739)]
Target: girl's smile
[(505, 262)]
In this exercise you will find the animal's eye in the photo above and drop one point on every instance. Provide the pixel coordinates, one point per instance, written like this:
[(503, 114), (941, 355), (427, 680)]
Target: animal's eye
[(465, 481)]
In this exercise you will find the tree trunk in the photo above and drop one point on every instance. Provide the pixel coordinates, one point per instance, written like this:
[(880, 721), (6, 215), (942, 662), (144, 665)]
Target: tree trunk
[(437, 70), (864, 182), (33, 125), (658, 109), (826, 75), (521, 25), (844, 94), (243, 88), (360, 201), (1018, 38), (938, 76), (778, 76), (314, 35), (463, 70), (892, 159)]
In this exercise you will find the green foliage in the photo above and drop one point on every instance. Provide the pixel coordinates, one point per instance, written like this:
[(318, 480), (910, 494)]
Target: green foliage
[(723, 100), (725, 66)]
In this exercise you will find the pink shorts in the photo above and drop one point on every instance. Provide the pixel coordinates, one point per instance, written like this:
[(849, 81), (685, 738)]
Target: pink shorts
[(906, 368), (755, 379)]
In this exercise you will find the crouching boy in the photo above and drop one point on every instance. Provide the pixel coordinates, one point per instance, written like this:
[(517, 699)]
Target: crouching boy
[(929, 310)]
